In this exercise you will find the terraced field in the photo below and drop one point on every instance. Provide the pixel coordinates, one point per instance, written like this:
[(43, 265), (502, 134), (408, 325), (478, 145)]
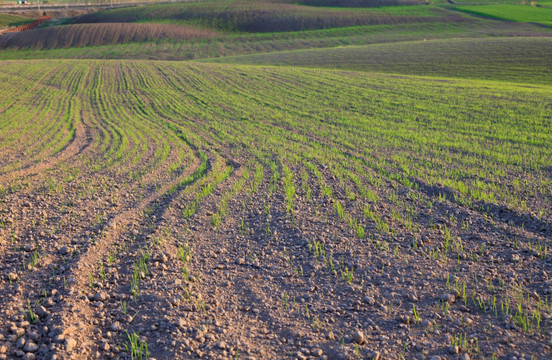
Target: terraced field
[(216, 211)]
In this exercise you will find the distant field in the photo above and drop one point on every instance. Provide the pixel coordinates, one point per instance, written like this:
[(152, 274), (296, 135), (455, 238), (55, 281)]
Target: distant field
[(271, 17), (520, 13), (236, 44), (99, 34), (359, 3), (245, 27), (7, 21), (512, 59), (33, 3)]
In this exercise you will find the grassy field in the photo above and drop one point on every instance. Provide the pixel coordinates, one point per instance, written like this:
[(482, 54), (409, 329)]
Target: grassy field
[(236, 44), (521, 60), (254, 17), (519, 13), (359, 3), (8, 21), (304, 145), (343, 181)]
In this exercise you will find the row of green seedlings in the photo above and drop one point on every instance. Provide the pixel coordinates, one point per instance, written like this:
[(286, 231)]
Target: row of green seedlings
[(528, 322), (134, 345), (417, 198), (221, 172), (184, 253), (222, 210), (381, 226), (14, 187), (410, 210), (343, 173), (407, 211), (101, 273), (253, 188), (29, 312), (54, 134), (28, 261), (290, 304), (275, 180), (539, 247), (393, 174), (338, 206), (112, 256), (467, 197), (289, 190), (200, 171), (318, 250), (161, 154), (111, 259), (139, 271), (185, 137), (371, 197), (463, 194), (509, 307), (451, 243), (267, 206), (470, 345), (272, 188), (305, 185), (467, 345), (134, 123)]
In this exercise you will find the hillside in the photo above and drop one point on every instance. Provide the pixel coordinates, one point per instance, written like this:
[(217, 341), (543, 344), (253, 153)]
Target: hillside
[(79, 35), (255, 17), (305, 180), (402, 23), (9, 21), (517, 59), (518, 13), (231, 203)]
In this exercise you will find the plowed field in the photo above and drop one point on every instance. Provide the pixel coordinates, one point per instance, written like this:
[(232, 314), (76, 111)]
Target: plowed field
[(181, 210)]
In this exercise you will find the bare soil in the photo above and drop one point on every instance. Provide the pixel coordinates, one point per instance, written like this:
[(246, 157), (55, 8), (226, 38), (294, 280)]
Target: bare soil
[(264, 284)]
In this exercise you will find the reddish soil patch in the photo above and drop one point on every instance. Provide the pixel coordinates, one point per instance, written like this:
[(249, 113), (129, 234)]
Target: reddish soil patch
[(99, 34)]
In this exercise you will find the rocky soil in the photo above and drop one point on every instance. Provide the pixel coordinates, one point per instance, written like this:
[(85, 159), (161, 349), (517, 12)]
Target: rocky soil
[(108, 254), (263, 285)]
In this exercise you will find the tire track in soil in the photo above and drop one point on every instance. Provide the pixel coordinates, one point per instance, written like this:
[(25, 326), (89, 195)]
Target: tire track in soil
[(155, 292), (78, 274), (49, 257), (30, 282), (150, 290)]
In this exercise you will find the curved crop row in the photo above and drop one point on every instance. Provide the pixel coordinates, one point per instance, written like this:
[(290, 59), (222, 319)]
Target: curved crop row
[(187, 191)]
